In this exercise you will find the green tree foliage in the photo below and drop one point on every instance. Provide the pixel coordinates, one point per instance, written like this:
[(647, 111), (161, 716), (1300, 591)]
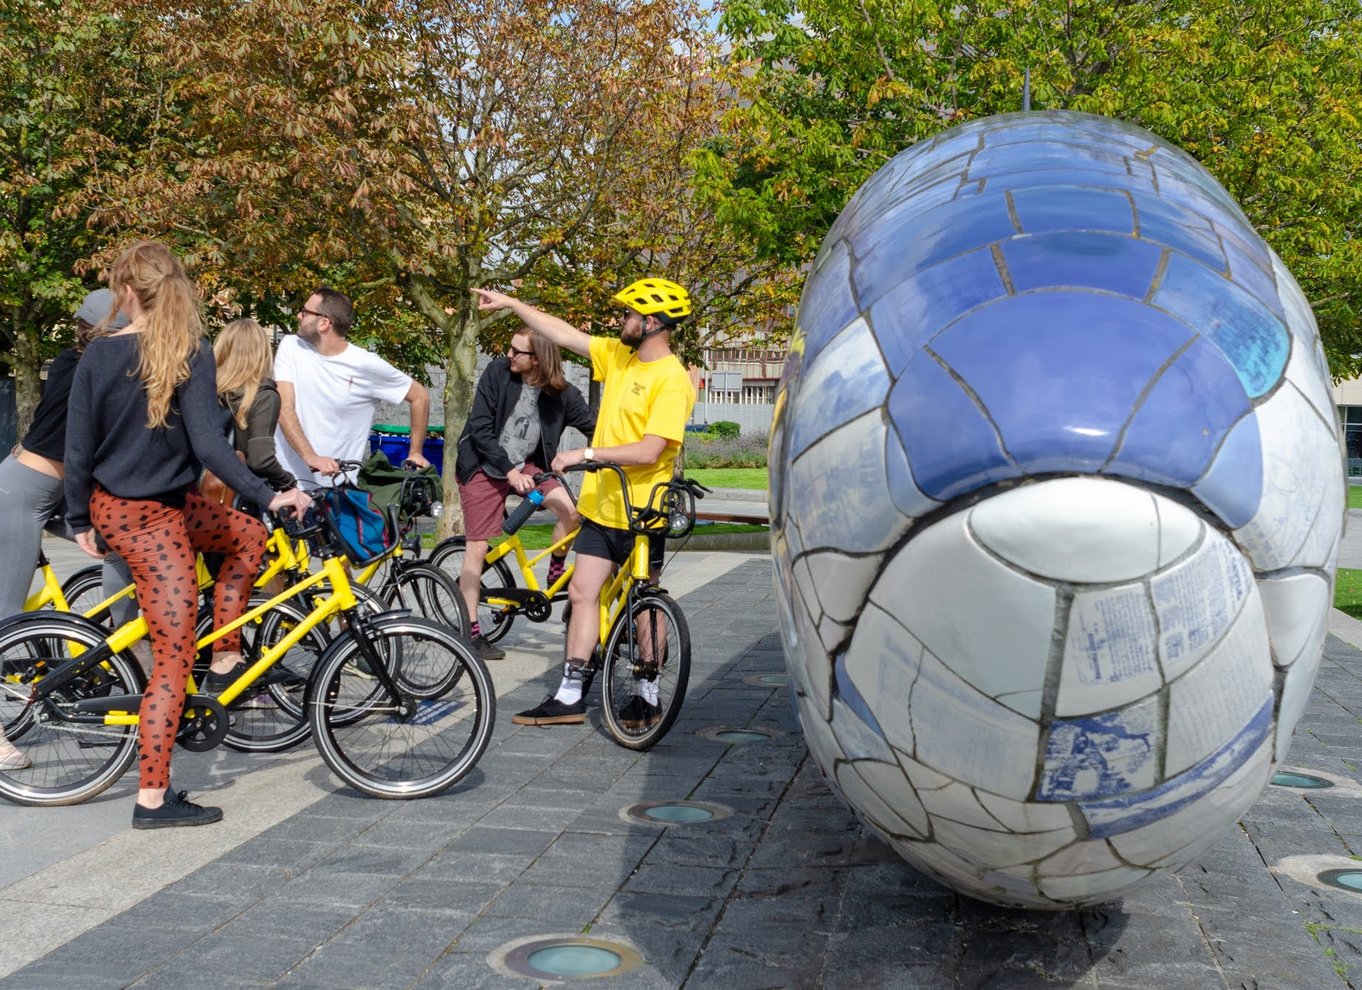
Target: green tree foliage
[(410, 151), (75, 101), (1266, 95)]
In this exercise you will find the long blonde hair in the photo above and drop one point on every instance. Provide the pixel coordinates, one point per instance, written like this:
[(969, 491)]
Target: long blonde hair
[(172, 323), (242, 352)]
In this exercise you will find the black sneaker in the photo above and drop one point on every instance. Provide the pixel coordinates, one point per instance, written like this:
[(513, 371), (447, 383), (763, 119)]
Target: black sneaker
[(215, 683), (176, 811), (552, 712), (486, 650), (636, 713), (285, 676)]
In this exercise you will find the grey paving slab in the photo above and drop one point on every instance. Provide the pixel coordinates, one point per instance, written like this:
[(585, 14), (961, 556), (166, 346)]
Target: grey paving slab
[(786, 891)]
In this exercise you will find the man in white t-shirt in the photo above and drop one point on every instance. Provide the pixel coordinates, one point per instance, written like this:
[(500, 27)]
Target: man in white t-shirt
[(330, 388)]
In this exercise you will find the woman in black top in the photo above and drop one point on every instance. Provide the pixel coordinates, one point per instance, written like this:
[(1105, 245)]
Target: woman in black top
[(143, 418), (31, 479)]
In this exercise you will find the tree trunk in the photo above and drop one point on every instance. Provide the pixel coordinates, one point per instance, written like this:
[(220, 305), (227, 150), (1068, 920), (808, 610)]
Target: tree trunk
[(27, 381), (461, 360)]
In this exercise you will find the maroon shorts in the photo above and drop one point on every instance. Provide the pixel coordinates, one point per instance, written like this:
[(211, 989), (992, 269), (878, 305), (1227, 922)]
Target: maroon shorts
[(484, 502)]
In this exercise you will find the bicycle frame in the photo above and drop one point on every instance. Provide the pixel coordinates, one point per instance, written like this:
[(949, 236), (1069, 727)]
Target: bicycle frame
[(526, 564), (50, 593), (342, 597), (614, 596)]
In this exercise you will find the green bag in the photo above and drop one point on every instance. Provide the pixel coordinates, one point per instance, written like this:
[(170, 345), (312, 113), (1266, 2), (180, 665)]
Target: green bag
[(414, 492)]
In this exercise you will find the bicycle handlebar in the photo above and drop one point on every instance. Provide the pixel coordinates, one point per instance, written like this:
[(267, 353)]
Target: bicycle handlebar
[(646, 520)]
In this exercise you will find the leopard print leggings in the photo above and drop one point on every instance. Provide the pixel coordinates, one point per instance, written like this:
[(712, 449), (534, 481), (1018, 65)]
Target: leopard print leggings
[(159, 542)]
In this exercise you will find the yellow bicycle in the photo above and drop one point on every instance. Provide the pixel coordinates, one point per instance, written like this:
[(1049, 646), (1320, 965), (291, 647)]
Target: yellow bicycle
[(398, 706)]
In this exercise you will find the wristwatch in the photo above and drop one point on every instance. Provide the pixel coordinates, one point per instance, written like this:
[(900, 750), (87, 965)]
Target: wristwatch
[(588, 454)]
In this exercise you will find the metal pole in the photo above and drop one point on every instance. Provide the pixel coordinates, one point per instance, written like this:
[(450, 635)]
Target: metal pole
[(1026, 91)]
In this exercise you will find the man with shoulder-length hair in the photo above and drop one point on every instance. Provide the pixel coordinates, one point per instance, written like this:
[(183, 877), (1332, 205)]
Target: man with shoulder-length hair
[(520, 409), (646, 399), (329, 390)]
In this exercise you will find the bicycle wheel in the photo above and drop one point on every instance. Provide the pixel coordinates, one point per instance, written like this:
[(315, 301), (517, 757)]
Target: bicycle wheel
[(270, 716), (71, 762), (428, 592), (401, 747), (493, 622), (646, 667), (84, 590)]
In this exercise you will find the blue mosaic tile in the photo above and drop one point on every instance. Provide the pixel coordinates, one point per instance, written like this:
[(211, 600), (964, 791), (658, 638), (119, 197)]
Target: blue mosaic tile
[(1060, 372), (917, 307), (1184, 419), (1042, 209), (1171, 226), (1101, 755), (1233, 486), (827, 306), (849, 378), (1251, 268), (952, 447), (904, 243), (1109, 262), (1256, 343)]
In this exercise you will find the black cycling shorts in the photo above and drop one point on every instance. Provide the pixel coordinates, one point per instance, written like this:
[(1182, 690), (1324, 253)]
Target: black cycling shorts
[(615, 545)]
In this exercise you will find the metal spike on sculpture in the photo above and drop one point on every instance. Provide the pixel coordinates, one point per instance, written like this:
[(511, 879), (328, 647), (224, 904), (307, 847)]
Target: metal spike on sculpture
[(1056, 495)]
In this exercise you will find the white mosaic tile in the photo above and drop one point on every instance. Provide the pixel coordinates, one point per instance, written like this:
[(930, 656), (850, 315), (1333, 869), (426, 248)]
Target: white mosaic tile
[(849, 377), (1297, 608), (992, 848), (1072, 529), (882, 662), (998, 753), (958, 802), (840, 481), (1302, 484), (861, 782), (1297, 683), (843, 581), (1110, 651), (1083, 856), (1197, 600), (1179, 530), (1211, 703), (856, 737), (1026, 816), (1088, 887), (940, 567)]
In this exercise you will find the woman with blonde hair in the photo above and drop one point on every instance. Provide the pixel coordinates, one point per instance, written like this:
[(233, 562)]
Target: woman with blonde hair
[(143, 417), (248, 393)]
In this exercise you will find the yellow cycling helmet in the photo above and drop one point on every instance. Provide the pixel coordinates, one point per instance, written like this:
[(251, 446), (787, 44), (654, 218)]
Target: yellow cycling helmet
[(655, 297)]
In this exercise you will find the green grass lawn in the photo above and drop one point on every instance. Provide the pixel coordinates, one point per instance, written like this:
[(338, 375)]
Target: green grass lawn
[(750, 478), (1348, 591), (1355, 496)]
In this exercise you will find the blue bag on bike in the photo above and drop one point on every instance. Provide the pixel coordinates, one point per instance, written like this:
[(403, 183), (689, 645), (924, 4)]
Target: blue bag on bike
[(363, 530)]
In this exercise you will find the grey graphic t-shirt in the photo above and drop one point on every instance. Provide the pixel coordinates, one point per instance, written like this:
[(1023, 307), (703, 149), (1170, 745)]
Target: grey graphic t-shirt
[(520, 435)]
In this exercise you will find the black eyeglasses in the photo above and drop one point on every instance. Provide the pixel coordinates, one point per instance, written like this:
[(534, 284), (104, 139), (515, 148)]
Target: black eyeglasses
[(512, 350), (312, 312)]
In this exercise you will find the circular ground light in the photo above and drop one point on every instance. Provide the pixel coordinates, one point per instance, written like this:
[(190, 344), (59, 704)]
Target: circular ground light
[(566, 957), (736, 736), (767, 680), (1300, 781), (674, 812), (1349, 880)]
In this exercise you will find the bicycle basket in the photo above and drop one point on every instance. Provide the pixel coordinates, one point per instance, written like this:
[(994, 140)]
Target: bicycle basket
[(364, 531)]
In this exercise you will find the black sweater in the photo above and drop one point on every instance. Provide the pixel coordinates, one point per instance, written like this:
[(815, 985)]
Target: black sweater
[(47, 435), (108, 440), (493, 403)]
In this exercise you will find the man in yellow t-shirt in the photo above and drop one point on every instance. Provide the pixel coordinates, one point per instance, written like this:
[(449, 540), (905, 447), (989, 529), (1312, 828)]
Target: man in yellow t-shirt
[(646, 400)]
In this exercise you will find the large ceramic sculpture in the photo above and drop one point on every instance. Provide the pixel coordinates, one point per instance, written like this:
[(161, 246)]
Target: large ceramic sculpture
[(1056, 498)]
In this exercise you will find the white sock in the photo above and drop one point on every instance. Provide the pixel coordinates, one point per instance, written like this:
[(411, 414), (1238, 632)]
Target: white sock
[(648, 690), (570, 691)]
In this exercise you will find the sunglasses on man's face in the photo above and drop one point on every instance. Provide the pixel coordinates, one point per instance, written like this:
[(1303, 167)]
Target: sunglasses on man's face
[(312, 312), (512, 350)]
